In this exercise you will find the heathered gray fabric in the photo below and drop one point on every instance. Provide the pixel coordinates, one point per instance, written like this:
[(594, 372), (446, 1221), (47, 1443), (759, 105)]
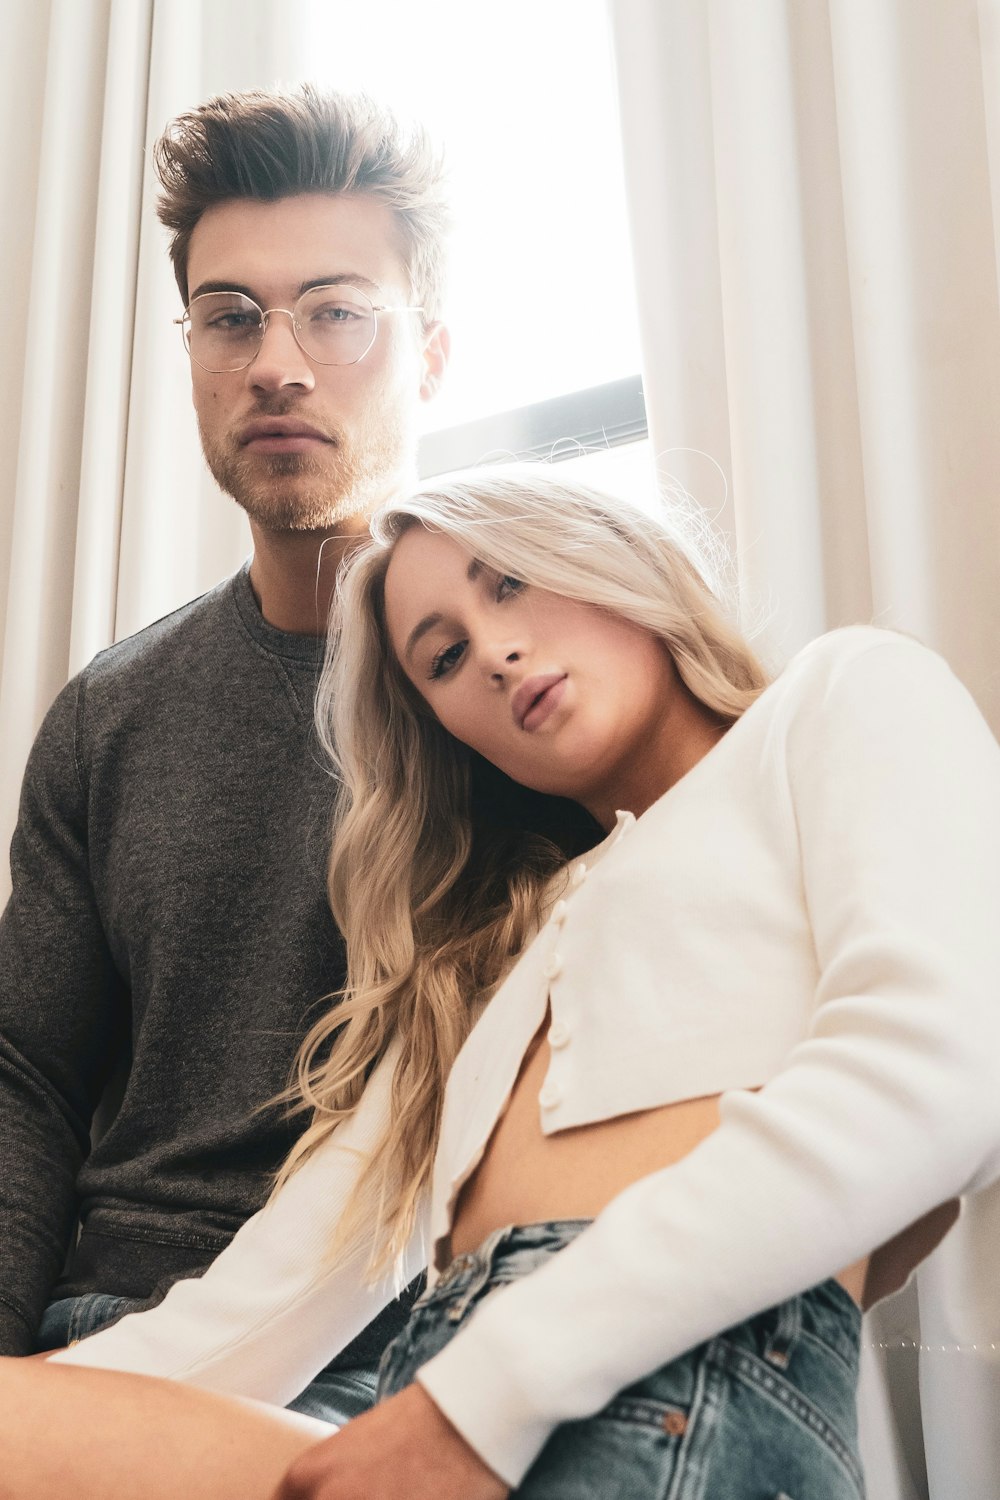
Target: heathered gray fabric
[(168, 908)]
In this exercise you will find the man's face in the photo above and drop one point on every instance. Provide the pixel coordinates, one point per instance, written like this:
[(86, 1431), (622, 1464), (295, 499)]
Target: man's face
[(362, 415)]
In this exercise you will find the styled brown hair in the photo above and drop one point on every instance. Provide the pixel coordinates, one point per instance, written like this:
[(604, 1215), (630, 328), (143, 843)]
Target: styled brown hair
[(272, 144)]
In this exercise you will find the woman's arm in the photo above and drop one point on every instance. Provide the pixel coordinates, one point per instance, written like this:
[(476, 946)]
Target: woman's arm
[(890, 1107), (268, 1313)]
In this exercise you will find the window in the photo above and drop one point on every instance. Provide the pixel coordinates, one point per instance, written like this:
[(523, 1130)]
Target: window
[(541, 302)]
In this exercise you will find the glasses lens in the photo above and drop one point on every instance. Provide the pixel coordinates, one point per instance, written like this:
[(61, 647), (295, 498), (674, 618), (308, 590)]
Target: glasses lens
[(226, 330), (335, 325)]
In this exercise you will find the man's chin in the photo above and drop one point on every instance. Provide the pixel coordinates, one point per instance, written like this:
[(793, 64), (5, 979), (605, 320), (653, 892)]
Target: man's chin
[(291, 492)]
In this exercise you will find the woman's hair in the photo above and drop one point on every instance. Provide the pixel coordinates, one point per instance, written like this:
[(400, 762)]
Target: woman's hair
[(439, 864)]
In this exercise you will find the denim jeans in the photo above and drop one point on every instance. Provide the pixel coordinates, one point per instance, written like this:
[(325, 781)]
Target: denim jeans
[(334, 1396), (763, 1411)]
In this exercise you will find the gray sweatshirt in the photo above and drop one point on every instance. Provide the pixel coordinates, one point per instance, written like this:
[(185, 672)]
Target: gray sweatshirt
[(167, 943)]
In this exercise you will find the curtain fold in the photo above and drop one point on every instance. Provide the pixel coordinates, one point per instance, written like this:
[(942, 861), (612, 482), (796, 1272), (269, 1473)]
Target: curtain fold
[(814, 195), (812, 207), (107, 499), (71, 267)]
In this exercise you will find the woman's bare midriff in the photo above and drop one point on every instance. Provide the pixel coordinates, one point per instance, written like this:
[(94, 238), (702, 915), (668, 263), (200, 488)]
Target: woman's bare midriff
[(526, 1177)]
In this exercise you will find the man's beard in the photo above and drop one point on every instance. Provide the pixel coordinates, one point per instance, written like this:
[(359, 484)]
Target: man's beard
[(307, 491)]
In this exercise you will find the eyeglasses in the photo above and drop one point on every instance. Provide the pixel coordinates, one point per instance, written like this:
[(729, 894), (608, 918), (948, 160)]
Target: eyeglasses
[(333, 325)]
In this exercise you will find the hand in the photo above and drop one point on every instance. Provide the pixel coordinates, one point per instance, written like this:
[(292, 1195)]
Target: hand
[(403, 1449)]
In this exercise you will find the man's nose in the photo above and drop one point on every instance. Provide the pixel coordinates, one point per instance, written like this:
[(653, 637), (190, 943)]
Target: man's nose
[(280, 361)]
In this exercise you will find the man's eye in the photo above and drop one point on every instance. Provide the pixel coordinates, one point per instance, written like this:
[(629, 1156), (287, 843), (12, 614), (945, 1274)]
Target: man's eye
[(234, 322), (508, 585), (333, 312), (446, 659)]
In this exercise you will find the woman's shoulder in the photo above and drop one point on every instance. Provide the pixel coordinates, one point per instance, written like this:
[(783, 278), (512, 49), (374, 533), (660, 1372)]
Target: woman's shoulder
[(861, 693), (857, 662), (837, 649)]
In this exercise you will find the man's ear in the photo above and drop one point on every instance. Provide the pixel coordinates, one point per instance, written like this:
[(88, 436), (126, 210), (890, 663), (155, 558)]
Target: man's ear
[(437, 347)]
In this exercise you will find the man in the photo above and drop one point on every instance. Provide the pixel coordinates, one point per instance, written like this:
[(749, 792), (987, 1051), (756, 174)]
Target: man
[(168, 930)]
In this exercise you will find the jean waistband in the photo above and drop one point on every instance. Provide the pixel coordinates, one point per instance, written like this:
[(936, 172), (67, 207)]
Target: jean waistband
[(826, 1311), (508, 1254)]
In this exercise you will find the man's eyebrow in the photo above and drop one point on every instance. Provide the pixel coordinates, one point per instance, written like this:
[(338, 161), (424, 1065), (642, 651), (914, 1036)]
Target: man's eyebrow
[(342, 278), (338, 278), (221, 286)]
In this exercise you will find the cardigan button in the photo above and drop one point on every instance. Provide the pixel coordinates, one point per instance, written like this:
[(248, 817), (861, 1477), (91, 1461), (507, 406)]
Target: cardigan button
[(558, 1034), (558, 916), (579, 875), (553, 966), (550, 1096)]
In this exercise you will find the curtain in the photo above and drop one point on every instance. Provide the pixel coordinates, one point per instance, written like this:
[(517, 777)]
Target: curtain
[(109, 518), (814, 195)]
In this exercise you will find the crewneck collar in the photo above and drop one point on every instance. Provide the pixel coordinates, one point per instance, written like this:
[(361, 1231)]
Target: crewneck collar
[(284, 643)]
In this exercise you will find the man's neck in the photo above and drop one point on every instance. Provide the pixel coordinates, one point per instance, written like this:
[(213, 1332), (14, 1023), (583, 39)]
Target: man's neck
[(293, 573)]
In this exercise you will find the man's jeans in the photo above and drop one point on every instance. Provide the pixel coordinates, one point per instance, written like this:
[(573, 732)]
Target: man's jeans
[(334, 1396)]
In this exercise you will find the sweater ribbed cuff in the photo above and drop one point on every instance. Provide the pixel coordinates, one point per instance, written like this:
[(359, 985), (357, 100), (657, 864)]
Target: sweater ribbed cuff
[(17, 1336), (489, 1409)]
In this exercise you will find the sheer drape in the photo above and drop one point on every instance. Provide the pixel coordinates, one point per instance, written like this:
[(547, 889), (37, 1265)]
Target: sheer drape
[(814, 193), (109, 518)]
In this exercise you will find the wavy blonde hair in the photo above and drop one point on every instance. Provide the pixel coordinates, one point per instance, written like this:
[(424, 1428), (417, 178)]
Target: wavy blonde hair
[(435, 887)]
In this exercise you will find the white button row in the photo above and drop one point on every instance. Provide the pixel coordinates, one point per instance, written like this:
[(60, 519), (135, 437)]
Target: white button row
[(558, 1034), (550, 1096)]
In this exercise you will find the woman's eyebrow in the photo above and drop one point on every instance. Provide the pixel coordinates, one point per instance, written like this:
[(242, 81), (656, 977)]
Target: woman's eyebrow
[(419, 631), (428, 622)]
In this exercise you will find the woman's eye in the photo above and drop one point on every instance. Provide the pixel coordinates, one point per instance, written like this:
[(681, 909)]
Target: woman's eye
[(508, 585), (446, 659)]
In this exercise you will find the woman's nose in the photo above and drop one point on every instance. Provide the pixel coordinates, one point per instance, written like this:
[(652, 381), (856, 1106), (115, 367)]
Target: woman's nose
[(498, 660)]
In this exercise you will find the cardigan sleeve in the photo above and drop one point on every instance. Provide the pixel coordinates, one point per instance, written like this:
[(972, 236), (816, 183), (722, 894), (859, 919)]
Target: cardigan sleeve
[(269, 1312), (889, 1107)]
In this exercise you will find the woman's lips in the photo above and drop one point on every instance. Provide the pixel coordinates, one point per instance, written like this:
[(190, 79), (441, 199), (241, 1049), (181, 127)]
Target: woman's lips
[(536, 698)]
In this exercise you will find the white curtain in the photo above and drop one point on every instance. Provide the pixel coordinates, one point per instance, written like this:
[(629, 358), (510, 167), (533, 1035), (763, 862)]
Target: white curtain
[(108, 517), (814, 192)]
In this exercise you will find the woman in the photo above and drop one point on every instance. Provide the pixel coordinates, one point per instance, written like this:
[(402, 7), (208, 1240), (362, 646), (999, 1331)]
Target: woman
[(732, 1087)]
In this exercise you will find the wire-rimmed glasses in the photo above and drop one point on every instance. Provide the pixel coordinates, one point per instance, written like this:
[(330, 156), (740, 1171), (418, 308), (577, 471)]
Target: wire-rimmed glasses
[(333, 325)]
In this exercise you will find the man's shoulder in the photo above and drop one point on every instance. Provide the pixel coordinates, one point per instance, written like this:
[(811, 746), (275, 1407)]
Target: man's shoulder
[(194, 627)]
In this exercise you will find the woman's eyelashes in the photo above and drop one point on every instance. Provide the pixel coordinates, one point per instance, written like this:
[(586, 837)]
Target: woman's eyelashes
[(507, 584), (446, 659)]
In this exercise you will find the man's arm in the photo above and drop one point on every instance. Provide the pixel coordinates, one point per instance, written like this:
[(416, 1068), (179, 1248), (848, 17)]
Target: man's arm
[(61, 1014)]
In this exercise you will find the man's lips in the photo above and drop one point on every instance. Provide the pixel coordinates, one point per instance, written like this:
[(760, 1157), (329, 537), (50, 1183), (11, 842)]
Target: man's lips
[(284, 433), (536, 698)]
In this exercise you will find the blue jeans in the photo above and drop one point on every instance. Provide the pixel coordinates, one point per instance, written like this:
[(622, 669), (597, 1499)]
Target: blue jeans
[(334, 1396), (763, 1411)]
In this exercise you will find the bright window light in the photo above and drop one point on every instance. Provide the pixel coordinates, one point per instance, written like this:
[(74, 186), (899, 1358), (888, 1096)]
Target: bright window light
[(521, 94)]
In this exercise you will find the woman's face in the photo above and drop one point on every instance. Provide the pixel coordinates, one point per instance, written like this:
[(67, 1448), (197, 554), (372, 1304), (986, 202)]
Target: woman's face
[(564, 697)]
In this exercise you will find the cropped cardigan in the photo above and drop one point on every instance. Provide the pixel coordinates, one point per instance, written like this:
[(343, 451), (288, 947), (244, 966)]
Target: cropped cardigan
[(805, 923)]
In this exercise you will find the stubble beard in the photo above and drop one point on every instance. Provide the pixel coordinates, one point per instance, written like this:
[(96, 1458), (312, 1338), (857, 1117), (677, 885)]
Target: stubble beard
[(311, 492)]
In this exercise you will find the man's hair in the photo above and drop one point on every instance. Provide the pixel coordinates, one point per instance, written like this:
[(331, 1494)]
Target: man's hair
[(272, 144)]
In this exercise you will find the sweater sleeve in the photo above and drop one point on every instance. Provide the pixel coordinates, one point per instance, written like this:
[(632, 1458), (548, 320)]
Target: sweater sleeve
[(271, 1310), (888, 1108), (62, 1018)]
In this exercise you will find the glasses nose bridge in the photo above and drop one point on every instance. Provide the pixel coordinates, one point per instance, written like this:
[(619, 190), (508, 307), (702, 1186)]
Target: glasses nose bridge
[(265, 322)]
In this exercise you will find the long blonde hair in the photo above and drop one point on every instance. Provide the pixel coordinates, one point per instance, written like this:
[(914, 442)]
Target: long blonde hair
[(435, 890)]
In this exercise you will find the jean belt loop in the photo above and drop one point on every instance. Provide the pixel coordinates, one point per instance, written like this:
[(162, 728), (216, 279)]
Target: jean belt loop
[(787, 1326), (476, 1275)]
